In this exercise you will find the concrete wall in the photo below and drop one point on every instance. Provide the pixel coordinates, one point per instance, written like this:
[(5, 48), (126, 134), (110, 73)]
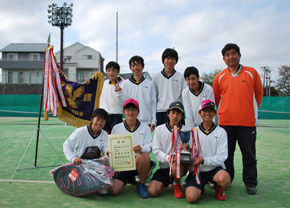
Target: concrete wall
[(20, 89)]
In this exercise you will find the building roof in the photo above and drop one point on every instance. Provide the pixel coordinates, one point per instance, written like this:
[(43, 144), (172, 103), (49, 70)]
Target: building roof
[(84, 47), (25, 47)]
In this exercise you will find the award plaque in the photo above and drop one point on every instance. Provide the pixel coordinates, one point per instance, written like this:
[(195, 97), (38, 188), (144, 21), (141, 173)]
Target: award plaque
[(122, 156)]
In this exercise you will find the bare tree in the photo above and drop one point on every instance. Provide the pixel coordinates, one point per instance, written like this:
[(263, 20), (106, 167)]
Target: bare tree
[(283, 83), (209, 77)]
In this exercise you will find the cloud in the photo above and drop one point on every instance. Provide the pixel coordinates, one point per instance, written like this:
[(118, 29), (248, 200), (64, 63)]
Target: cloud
[(198, 30)]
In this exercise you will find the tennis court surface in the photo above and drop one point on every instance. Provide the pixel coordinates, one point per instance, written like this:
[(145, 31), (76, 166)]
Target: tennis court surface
[(35, 187)]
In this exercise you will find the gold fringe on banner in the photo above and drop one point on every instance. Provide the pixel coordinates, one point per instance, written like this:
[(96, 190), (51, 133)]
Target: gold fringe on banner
[(45, 115)]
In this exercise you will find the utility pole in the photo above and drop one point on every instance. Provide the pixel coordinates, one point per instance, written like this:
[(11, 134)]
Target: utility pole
[(117, 37), (266, 79)]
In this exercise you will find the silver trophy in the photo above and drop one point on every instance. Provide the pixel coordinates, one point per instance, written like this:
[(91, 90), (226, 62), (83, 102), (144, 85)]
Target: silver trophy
[(185, 156)]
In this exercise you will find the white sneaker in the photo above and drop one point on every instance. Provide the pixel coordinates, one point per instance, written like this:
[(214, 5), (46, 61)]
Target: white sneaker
[(211, 185), (103, 192)]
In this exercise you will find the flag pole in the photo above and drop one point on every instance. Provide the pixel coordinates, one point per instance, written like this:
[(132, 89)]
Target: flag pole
[(39, 115)]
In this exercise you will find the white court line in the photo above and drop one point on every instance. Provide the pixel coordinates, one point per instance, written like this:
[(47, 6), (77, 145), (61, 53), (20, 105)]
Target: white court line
[(34, 181), (25, 181)]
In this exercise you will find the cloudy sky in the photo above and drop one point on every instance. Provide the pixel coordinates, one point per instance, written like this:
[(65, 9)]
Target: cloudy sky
[(197, 29)]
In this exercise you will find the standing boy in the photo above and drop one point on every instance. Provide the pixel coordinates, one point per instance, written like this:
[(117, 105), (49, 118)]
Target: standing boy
[(143, 146), (161, 149), (108, 99), (168, 85), (213, 153), (88, 136), (140, 89), (193, 95), (238, 94)]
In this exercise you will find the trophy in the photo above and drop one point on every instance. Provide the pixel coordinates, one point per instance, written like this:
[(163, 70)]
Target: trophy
[(185, 156)]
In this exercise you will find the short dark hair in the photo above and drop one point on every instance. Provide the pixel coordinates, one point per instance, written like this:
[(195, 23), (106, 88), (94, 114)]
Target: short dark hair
[(230, 46), (100, 113), (190, 70), (169, 52), (130, 105), (136, 60), (113, 64)]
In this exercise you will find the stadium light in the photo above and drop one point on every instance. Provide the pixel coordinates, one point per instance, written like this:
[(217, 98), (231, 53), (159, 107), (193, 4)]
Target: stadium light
[(62, 18)]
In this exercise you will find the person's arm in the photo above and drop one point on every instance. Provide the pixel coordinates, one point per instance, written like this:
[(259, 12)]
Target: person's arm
[(188, 109), (157, 150), (105, 146), (212, 98), (222, 151), (120, 92), (153, 107), (69, 145), (154, 80), (147, 142), (258, 89), (216, 90)]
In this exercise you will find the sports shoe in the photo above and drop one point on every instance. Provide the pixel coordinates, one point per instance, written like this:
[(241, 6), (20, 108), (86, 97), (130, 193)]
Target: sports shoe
[(141, 189), (151, 169), (211, 185), (103, 192), (177, 191), (251, 189), (219, 193)]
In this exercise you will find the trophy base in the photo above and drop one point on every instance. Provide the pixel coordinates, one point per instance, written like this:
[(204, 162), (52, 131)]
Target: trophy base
[(185, 158)]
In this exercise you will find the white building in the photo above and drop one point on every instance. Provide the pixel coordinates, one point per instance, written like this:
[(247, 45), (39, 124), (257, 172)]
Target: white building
[(22, 63), (81, 62)]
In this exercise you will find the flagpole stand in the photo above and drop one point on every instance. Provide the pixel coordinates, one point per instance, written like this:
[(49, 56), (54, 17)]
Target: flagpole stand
[(37, 139), (36, 149)]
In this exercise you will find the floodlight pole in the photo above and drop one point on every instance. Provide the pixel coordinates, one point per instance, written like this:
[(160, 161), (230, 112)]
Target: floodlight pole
[(61, 46)]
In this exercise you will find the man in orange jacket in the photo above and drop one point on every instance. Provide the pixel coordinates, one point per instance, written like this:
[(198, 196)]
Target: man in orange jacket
[(238, 94)]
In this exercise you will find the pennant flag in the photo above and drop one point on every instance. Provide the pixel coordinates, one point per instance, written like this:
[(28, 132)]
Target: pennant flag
[(78, 101)]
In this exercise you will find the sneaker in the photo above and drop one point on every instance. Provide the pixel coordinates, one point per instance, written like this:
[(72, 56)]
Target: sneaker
[(219, 193), (141, 189), (151, 169), (211, 185), (177, 191), (103, 192), (251, 189)]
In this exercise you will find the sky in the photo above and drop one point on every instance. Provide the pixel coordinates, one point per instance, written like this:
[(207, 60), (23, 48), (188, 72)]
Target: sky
[(196, 29)]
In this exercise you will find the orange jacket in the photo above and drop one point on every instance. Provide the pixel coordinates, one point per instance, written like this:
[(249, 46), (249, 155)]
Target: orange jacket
[(238, 98)]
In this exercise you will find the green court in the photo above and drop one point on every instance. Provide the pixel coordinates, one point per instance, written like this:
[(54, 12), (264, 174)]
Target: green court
[(34, 187)]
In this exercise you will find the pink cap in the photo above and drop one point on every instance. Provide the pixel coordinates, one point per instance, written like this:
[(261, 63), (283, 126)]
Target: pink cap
[(207, 104), (131, 100)]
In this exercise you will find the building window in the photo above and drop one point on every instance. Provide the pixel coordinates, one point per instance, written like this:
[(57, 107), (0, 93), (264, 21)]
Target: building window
[(9, 77), (20, 77), (84, 76), (34, 56), (66, 58), (87, 57), (12, 56)]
